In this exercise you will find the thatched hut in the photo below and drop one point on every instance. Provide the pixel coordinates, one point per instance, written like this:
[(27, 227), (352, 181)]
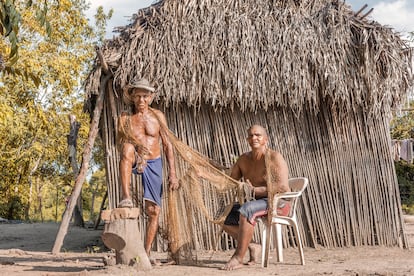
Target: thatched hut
[(320, 77)]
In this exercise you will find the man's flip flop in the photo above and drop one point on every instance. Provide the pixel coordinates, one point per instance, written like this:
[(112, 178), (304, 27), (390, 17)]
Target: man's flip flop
[(125, 203)]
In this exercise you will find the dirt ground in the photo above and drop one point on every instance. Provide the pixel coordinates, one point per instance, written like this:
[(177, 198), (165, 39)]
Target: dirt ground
[(25, 250)]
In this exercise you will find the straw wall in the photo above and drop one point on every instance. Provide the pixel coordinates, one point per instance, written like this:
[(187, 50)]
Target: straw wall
[(352, 198), (244, 62)]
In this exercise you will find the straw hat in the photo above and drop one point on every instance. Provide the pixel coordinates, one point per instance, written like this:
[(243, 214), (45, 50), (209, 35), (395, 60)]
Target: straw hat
[(141, 83)]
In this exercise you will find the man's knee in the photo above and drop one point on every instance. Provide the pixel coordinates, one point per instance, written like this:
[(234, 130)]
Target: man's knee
[(127, 153), (245, 210), (152, 210), (253, 208)]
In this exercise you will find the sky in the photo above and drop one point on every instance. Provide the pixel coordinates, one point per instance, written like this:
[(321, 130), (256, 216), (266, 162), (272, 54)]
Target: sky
[(394, 13)]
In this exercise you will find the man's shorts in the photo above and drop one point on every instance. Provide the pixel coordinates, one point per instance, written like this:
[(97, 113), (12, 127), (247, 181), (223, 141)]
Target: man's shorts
[(254, 209), (152, 180)]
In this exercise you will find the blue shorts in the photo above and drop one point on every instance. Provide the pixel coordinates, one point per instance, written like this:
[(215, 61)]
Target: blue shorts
[(251, 210), (152, 180), (255, 209)]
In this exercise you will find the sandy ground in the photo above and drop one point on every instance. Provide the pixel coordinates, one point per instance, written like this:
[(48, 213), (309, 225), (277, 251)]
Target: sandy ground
[(25, 250)]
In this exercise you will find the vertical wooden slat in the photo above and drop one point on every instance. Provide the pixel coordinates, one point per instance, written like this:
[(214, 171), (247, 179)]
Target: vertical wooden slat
[(351, 193)]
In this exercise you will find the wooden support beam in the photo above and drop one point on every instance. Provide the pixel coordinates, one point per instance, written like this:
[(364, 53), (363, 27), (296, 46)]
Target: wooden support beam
[(365, 15), (360, 10)]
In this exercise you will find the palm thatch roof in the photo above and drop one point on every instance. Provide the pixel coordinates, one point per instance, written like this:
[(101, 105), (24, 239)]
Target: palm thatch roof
[(258, 54)]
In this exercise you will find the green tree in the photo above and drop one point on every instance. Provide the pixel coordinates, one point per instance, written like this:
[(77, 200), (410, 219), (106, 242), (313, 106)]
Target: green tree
[(402, 126), (10, 21), (94, 192), (35, 103), (9, 28)]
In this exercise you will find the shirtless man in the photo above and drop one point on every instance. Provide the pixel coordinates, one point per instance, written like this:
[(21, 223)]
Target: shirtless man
[(251, 167), (141, 154)]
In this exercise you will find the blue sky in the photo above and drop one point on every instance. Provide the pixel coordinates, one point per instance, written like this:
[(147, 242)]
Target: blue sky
[(397, 14)]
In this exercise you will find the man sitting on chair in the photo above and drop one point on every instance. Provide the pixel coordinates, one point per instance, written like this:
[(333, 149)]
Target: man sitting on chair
[(251, 167)]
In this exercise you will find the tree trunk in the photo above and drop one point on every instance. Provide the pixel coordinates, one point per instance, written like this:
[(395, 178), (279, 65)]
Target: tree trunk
[(32, 171), (98, 219), (39, 187), (91, 212), (72, 142), (121, 233)]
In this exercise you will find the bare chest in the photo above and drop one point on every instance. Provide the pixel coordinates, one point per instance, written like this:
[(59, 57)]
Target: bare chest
[(144, 126), (255, 172)]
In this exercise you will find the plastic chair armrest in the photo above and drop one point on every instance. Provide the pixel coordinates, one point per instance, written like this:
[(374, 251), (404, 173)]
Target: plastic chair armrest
[(287, 195)]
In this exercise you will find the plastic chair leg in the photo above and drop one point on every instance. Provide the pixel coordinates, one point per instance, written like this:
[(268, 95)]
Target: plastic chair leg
[(279, 244), (267, 233), (299, 243), (264, 234)]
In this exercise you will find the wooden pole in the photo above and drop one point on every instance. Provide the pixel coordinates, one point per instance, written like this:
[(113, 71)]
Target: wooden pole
[(84, 167)]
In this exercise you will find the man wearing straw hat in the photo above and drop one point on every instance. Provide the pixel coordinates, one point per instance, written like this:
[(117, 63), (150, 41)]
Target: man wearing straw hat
[(139, 135)]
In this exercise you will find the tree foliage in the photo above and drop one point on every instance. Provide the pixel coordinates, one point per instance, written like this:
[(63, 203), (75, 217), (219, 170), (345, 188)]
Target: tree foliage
[(405, 175), (56, 47), (10, 21), (402, 126), (9, 25), (93, 194)]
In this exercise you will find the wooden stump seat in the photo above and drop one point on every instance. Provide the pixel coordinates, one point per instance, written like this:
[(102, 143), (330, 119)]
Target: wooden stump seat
[(122, 234)]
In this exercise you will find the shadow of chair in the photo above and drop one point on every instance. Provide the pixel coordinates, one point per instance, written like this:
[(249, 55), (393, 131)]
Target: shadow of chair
[(297, 186)]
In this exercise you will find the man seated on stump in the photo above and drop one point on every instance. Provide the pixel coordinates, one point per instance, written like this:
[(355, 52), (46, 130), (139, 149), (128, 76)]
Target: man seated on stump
[(139, 138), (251, 167)]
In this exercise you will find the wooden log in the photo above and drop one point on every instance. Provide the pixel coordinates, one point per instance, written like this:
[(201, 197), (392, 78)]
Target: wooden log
[(122, 234)]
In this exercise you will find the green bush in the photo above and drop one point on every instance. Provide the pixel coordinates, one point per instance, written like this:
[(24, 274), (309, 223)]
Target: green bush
[(405, 176), (408, 209)]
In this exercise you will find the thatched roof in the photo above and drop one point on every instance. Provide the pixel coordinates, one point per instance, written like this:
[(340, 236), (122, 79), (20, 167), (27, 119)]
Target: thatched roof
[(257, 54)]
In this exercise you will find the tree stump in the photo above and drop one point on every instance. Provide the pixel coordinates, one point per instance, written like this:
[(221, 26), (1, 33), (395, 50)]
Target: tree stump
[(122, 234)]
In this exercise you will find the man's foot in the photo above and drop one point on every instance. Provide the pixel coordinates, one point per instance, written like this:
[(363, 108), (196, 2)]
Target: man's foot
[(126, 203), (233, 264), (254, 250), (155, 262)]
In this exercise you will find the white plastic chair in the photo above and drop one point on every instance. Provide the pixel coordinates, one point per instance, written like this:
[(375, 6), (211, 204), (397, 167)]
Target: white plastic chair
[(297, 186)]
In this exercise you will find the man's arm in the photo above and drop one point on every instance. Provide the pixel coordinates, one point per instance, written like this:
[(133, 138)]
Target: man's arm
[(169, 153), (236, 172)]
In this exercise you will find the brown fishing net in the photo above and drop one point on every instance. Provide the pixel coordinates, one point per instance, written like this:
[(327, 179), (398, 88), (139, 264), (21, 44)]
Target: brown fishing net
[(206, 191)]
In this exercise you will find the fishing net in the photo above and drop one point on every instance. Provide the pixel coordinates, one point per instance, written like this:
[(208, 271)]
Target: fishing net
[(206, 192)]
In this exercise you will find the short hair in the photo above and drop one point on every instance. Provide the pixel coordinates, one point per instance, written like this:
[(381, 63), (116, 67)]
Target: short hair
[(259, 126)]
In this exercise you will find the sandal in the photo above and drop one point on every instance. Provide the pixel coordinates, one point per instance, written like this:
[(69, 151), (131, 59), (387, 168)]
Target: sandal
[(126, 203)]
